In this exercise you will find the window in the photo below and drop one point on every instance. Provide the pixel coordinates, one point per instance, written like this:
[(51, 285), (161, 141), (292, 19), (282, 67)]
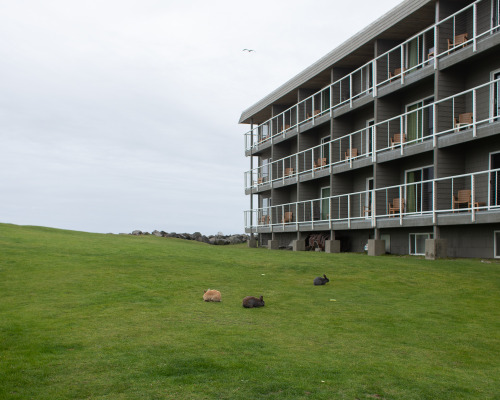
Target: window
[(263, 132), (495, 180), (264, 170), (496, 244), (420, 122), (418, 192), (495, 96), (325, 152), (412, 53), (325, 203), (368, 198), (369, 136), (417, 243)]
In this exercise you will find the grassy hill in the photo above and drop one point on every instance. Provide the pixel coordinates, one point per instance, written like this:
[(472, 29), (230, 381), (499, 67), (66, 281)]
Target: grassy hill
[(90, 316)]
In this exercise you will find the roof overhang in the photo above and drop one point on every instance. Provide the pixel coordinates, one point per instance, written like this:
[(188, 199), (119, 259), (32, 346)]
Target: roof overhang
[(410, 15)]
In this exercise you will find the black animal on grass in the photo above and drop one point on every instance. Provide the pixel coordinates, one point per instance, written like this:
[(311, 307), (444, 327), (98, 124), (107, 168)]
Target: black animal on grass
[(321, 281), (253, 302)]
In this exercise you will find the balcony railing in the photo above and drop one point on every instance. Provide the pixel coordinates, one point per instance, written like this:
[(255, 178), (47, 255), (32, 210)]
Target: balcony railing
[(455, 195), (459, 30), (422, 123)]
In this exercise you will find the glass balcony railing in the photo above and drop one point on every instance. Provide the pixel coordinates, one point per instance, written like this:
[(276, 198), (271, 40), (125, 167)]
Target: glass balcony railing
[(457, 31), (459, 194), (423, 122)]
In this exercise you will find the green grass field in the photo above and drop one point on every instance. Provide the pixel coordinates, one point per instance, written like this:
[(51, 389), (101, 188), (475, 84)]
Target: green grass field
[(89, 316)]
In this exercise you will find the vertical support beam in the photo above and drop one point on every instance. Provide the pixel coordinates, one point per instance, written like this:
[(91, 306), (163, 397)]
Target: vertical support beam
[(251, 183), (374, 143), (374, 77)]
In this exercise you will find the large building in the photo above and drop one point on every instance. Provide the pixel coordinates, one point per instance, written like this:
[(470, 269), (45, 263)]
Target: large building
[(392, 140)]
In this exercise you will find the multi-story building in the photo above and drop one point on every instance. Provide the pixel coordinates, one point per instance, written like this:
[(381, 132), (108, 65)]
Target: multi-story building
[(391, 139)]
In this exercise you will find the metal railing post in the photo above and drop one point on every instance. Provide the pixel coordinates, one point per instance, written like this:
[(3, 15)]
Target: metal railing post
[(474, 112), (348, 210), (402, 64), (373, 210), (434, 125), (350, 90), (401, 206), (434, 201), (473, 196), (474, 27)]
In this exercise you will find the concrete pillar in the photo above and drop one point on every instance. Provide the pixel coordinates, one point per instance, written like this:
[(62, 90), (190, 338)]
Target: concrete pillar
[(252, 242), (273, 245), (376, 247), (332, 246), (436, 248), (299, 245)]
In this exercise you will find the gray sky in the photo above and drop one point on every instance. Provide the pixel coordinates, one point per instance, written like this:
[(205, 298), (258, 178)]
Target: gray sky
[(122, 115)]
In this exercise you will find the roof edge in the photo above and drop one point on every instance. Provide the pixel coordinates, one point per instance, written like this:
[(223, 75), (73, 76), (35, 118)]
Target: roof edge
[(364, 36)]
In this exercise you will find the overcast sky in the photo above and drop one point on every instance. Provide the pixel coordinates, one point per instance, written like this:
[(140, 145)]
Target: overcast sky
[(123, 115)]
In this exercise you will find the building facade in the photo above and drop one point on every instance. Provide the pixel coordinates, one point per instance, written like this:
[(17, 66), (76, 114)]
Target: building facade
[(391, 140)]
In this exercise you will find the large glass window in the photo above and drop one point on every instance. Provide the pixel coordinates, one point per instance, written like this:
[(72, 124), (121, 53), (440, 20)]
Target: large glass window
[(325, 203), (419, 121), (495, 180), (412, 53), (417, 243), (325, 153), (264, 170), (418, 192), (495, 95)]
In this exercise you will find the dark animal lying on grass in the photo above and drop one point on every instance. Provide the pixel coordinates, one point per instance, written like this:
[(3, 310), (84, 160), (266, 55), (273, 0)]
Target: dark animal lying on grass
[(252, 302), (321, 281)]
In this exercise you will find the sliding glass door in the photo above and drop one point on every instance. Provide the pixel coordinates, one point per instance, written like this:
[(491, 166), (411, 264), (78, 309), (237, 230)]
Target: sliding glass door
[(418, 192), (419, 121), (325, 203)]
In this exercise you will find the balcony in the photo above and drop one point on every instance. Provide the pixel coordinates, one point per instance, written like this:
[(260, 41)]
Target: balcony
[(457, 115), (464, 29), (473, 197)]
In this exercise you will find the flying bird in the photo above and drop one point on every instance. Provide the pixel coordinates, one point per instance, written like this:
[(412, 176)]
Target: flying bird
[(249, 50)]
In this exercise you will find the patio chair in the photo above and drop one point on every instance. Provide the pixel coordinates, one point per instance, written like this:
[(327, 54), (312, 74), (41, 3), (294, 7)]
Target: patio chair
[(316, 112), (398, 138), (464, 119), (431, 53), (397, 206), (320, 163), (288, 217), (264, 220), (459, 41), (351, 153), (462, 197), (288, 171), (397, 72)]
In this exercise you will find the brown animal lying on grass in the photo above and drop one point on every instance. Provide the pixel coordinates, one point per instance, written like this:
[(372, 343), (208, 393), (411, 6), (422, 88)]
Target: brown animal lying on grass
[(211, 295)]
